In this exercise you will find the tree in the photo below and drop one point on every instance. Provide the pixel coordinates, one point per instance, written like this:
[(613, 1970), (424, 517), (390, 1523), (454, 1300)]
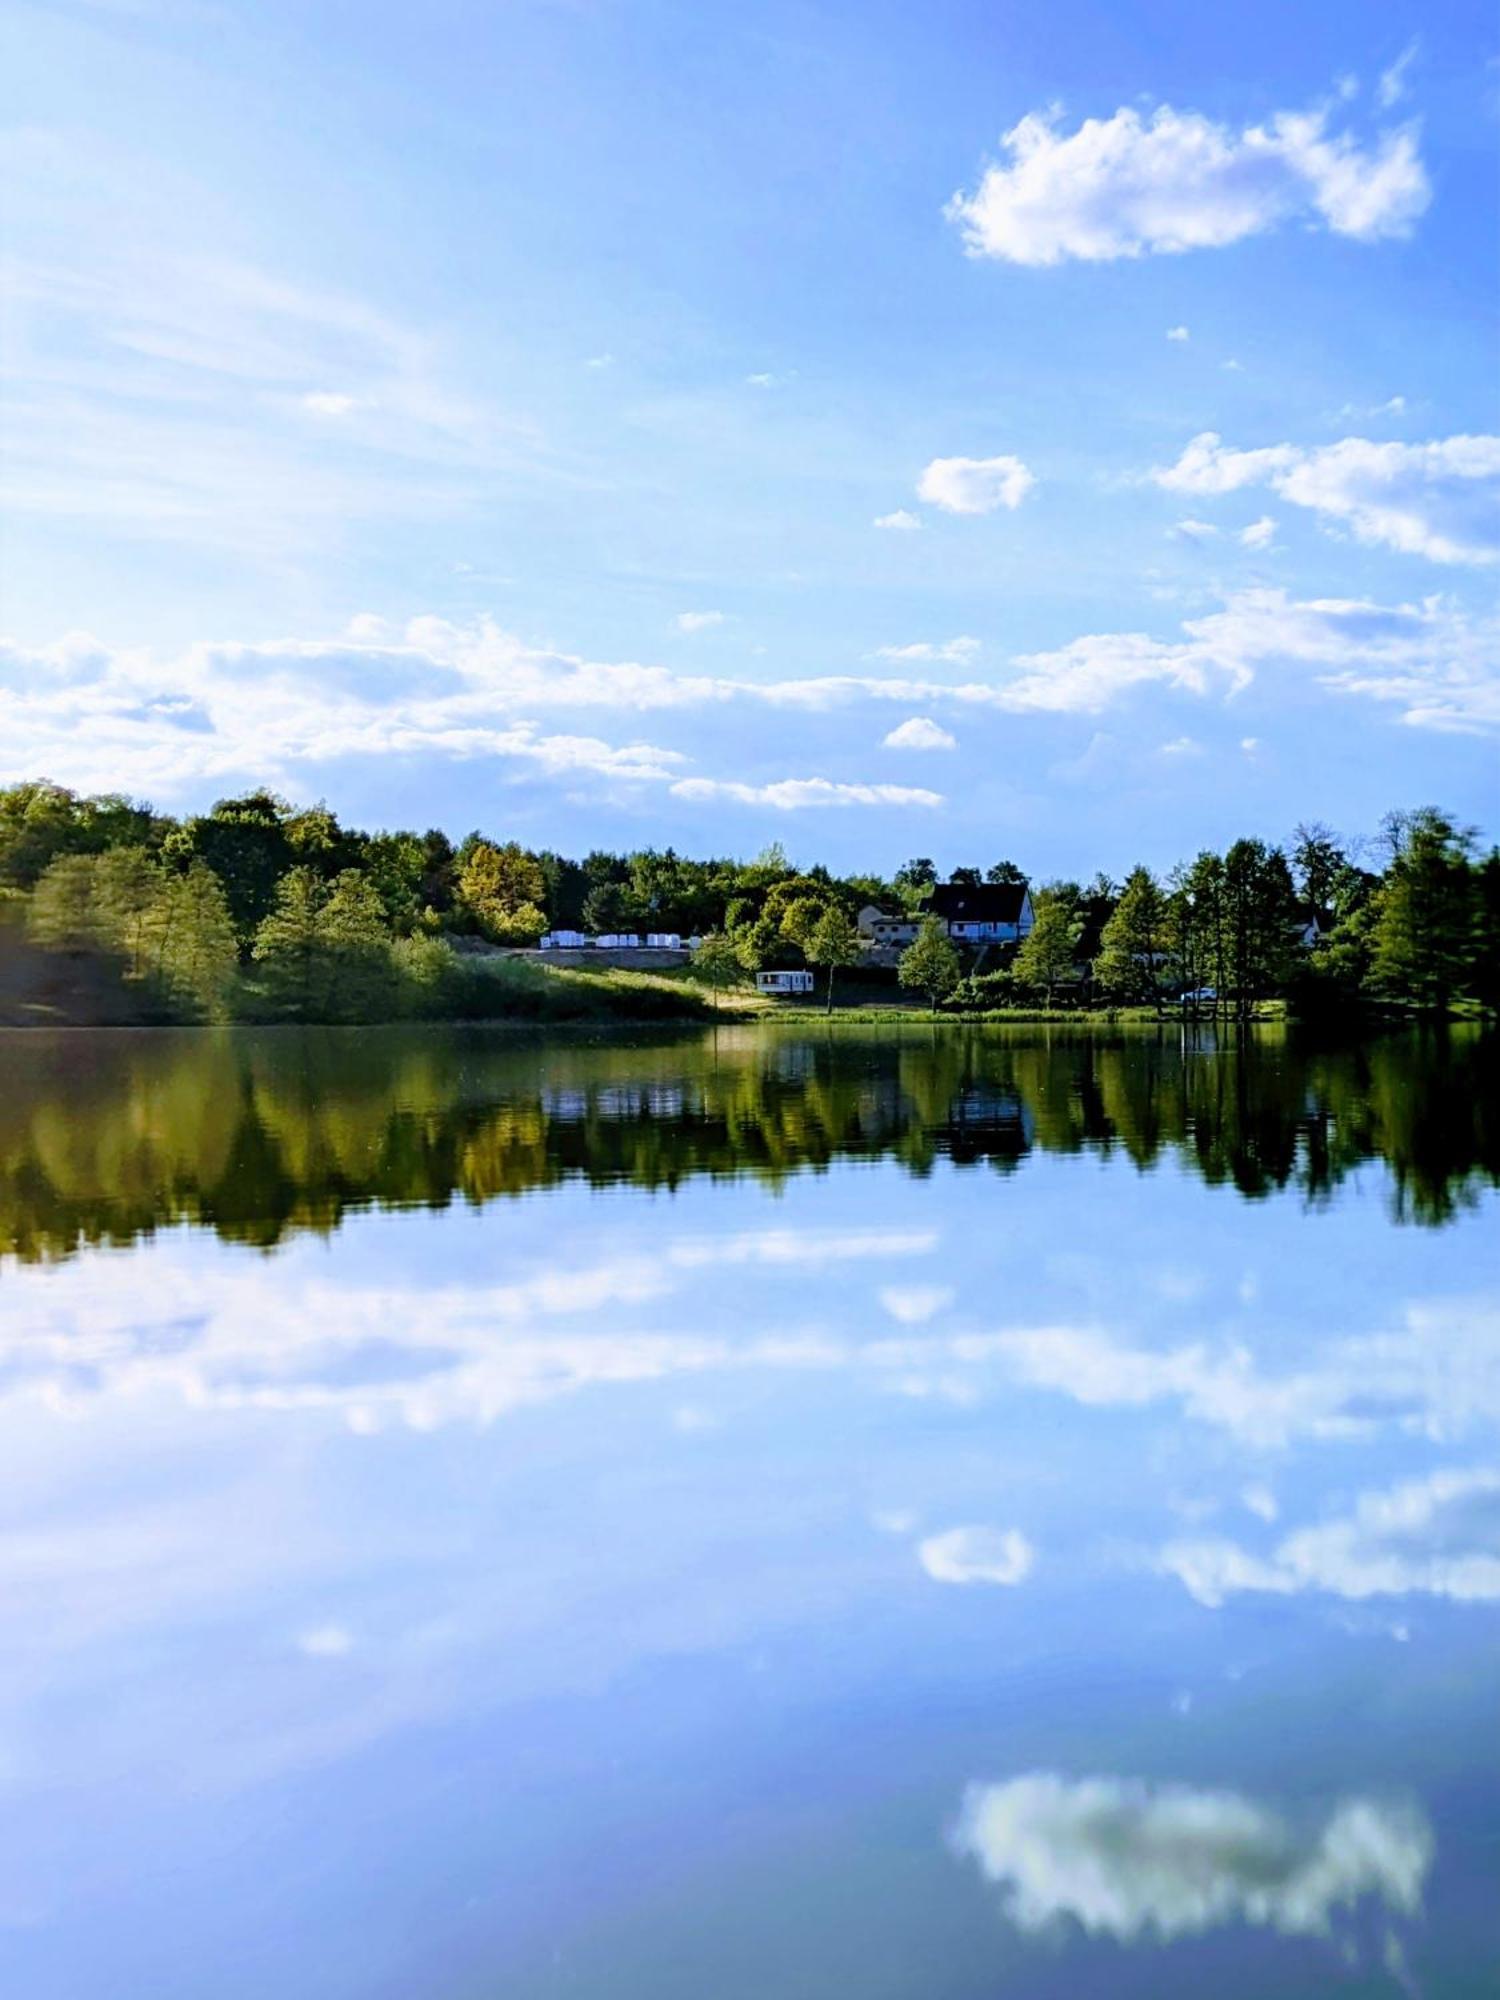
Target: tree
[(800, 922), (289, 946), (929, 963), (244, 840), (1259, 912), (913, 879), (502, 889), (1424, 930), (717, 962), (190, 937), (1317, 863), (1133, 940), (62, 915), (966, 878), (1005, 873), (834, 942), (1485, 979), (1046, 956)]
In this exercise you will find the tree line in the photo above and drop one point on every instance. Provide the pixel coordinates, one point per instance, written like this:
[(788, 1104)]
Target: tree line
[(284, 912)]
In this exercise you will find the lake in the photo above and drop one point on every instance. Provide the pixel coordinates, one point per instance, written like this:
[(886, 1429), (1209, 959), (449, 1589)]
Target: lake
[(921, 1515)]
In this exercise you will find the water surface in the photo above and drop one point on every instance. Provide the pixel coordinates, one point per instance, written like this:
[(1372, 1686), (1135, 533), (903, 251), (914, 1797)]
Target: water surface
[(789, 1512)]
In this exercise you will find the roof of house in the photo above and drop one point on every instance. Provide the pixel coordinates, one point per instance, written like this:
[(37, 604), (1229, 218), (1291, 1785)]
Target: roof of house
[(982, 903)]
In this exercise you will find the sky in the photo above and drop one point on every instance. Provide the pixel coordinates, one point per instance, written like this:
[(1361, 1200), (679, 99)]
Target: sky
[(1065, 432)]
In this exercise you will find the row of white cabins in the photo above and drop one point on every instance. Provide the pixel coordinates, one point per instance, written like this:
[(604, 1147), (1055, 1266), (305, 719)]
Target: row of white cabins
[(977, 915)]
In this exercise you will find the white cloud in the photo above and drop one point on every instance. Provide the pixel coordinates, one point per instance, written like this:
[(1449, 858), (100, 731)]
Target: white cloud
[(914, 1305), (1128, 1860), (1260, 1501), (1435, 1537), (99, 717), (1392, 85), (1195, 531), (600, 361), (977, 1555), (1180, 746), (329, 403), (325, 1642), (1440, 500), (957, 650), (1260, 534), (698, 621), (901, 521), (800, 794), (1126, 186), (975, 485), (920, 732), (1178, 333)]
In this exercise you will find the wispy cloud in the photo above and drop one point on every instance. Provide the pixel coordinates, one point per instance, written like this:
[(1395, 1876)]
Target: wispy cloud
[(1439, 500), (801, 794), (920, 732)]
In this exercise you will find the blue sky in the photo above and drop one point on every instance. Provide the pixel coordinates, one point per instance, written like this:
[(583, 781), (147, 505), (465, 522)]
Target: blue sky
[(487, 416)]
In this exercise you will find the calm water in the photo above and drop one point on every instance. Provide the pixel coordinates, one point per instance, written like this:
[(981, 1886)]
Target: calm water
[(920, 1518)]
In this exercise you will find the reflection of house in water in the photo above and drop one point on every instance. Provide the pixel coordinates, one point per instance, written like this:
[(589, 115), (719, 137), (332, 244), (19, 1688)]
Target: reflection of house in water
[(988, 1121)]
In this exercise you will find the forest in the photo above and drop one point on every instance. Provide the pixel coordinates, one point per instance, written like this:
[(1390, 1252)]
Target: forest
[(260, 910)]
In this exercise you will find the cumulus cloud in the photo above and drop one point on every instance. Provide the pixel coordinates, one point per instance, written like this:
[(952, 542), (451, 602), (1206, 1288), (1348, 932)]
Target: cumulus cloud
[(801, 794), (902, 521), (1434, 1537), (1178, 333), (1195, 531), (1440, 500), (698, 621), (1129, 185), (100, 717), (920, 732), (975, 485), (1128, 1860), (977, 1555), (1259, 534)]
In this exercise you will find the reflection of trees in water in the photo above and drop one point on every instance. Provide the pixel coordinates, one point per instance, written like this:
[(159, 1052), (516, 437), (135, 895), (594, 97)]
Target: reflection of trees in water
[(260, 1134)]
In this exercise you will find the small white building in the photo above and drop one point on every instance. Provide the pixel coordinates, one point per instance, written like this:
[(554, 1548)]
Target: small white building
[(778, 983), (618, 941), (664, 941), (564, 941)]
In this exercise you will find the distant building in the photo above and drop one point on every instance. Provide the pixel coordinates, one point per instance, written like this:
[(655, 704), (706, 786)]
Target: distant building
[(982, 913), (778, 983), (976, 914)]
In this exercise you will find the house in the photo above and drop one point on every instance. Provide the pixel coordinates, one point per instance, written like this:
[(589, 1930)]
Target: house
[(883, 931), (564, 941), (778, 983), (976, 914), (982, 912)]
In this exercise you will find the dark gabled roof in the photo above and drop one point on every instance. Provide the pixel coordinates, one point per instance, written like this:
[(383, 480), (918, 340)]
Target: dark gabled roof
[(984, 903)]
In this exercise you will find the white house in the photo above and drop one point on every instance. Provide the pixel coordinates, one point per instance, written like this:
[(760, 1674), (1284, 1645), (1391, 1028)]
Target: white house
[(982, 913), (778, 983)]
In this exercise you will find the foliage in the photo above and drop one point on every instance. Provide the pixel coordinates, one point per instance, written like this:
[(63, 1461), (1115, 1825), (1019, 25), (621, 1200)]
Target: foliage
[(718, 962), (834, 942), (502, 889), (1048, 952), (1133, 942), (930, 964)]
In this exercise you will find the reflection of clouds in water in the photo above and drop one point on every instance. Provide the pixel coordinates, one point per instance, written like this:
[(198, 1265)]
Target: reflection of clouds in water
[(1126, 1859), (1437, 1537), (976, 1555), (1434, 1375)]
